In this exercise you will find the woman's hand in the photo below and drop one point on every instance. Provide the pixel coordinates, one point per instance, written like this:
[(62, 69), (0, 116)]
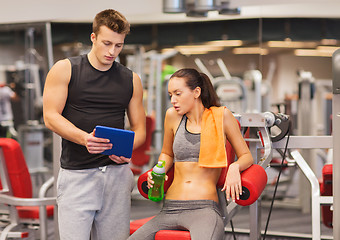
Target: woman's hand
[(232, 184), (151, 182)]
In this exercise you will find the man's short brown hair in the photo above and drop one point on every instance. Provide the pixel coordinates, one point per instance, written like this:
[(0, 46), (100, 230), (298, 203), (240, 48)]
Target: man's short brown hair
[(112, 19)]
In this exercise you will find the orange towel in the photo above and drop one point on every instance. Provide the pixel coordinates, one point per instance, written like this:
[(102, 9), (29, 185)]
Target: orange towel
[(212, 150)]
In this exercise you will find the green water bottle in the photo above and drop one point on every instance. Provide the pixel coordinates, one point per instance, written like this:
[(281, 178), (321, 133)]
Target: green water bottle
[(156, 193)]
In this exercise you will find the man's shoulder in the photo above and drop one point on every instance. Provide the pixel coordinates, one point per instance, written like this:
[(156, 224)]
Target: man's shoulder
[(76, 59), (5, 90), (123, 69), (121, 66), (61, 65)]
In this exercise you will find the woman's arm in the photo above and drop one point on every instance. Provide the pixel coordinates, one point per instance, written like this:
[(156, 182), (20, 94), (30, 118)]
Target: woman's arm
[(232, 184), (171, 123)]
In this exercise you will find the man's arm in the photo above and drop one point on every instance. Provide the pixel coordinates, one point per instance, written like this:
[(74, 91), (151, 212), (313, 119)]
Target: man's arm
[(54, 99), (136, 112)]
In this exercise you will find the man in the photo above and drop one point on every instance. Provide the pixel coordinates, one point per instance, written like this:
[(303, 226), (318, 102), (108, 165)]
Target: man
[(6, 115), (94, 190)]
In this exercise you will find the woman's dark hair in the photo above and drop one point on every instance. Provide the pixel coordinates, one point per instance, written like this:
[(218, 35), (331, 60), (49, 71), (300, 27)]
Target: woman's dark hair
[(194, 79), (112, 19)]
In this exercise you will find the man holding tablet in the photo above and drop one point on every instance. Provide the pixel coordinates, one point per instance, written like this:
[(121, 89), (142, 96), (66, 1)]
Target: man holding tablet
[(94, 189)]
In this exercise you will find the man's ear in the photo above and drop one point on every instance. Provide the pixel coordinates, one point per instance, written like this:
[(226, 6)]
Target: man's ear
[(93, 37)]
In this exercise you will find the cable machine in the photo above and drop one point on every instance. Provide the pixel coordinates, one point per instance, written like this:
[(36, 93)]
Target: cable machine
[(336, 141)]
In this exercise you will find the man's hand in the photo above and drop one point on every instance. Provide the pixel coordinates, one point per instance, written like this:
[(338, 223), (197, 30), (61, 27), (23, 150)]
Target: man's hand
[(97, 145), (120, 159)]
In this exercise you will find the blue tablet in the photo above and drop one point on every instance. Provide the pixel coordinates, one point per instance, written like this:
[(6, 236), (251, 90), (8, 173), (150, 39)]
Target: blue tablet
[(122, 140)]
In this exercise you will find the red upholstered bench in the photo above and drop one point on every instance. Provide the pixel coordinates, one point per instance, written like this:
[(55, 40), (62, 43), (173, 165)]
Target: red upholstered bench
[(17, 190), (254, 180)]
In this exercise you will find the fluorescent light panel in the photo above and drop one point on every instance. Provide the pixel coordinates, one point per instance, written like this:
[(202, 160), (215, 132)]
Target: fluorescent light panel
[(250, 50), (226, 43), (330, 49), (193, 52), (312, 53), (291, 44), (329, 42), (197, 49), (165, 50), (321, 51)]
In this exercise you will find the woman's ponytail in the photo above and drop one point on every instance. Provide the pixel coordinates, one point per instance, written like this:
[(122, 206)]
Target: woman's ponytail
[(208, 94)]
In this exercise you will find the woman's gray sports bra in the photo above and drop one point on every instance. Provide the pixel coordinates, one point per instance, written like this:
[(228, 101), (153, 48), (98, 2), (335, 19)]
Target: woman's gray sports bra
[(186, 145)]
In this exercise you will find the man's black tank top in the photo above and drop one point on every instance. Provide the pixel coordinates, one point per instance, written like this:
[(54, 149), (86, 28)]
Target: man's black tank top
[(94, 98)]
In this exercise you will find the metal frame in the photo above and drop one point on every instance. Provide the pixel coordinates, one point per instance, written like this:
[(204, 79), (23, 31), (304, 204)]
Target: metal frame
[(260, 122), (254, 122), (155, 95), (317, 200), (225, 78), (12, 202), (336, 140)]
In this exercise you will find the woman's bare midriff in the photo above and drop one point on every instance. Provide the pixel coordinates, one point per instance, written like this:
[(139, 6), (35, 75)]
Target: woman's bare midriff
[(192, 182)]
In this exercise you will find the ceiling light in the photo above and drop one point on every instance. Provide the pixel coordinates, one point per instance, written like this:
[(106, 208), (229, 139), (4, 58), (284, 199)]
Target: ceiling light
[(328, 42), (192, 52), (199, 8), (226, 43), (173, 6), (251, 50), (291, 44), (197, 49), (330, 49), (166, 50), (312, 53), (205, 5)]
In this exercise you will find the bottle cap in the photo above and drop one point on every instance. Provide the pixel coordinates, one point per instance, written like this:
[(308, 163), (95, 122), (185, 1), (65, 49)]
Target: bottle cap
[(159, 168)]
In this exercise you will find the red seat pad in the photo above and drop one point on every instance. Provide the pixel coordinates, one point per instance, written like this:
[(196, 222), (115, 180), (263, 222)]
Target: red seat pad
[(20, 179), (327, 178), (254, 180), (327, 170), (136, 170), (33, 211), (172, 234)]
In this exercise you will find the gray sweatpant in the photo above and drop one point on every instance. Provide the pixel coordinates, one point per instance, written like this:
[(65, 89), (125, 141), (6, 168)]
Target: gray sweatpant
[(94, 202), (201, 217)]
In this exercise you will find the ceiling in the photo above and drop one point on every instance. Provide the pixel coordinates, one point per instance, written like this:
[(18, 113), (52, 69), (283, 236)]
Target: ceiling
[(150, 11)]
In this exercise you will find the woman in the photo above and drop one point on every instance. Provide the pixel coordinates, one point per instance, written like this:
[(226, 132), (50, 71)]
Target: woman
[(191, 202)]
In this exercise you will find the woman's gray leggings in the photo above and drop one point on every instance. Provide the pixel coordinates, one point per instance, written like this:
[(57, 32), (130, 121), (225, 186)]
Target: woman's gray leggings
[(201, 217)]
